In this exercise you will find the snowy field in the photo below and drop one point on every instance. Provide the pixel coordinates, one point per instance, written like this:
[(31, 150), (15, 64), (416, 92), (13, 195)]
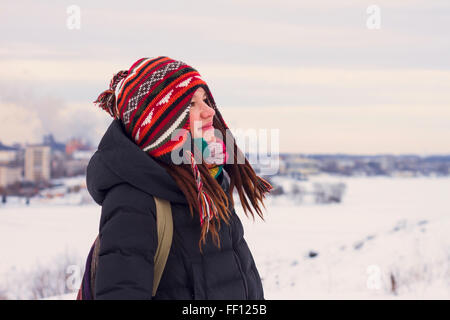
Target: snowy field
[(388, 239)]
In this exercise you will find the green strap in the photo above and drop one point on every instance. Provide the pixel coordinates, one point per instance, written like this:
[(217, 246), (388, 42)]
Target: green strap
[(165, 232)]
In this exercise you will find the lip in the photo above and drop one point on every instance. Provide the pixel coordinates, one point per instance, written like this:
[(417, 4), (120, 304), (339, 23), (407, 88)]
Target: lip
[(207, 126)]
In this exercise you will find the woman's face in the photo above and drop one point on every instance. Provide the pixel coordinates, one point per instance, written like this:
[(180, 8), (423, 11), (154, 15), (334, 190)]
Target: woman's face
[(201, 116)]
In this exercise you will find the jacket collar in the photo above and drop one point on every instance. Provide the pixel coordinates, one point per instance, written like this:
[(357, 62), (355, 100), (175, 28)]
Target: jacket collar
[(119, 160)]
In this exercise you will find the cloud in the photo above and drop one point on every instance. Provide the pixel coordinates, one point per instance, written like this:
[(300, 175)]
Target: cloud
[(371, 129), (70, 71), (310, 68), (19, 124), (300, 85), (27, 116)]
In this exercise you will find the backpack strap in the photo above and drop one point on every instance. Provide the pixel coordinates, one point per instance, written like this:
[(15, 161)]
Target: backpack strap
[(164, 224), (165, 233)]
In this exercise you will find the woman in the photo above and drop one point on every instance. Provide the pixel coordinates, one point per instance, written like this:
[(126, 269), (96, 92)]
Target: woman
[(161, 107)]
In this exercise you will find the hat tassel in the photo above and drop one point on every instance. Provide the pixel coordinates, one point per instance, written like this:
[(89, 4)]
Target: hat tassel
[(208, 209)]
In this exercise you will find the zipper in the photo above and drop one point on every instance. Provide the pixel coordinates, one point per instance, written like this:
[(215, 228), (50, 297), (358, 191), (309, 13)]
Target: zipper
[(242, 274), (238, 262)]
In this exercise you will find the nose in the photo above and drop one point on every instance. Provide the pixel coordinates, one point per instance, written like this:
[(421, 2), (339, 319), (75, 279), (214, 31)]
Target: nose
[(207, 111)]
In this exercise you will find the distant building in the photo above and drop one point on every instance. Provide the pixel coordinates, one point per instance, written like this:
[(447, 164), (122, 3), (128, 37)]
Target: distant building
[(7, 154), (78, 155), (302, 166), (59, 159), (83, 154), (75, 167), (55, 146), (9, 175), (76, 144), (37, 163), (343, 164), (282, 169)]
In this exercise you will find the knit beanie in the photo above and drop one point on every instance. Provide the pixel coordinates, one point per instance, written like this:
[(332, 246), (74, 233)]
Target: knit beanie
[(152, 100)]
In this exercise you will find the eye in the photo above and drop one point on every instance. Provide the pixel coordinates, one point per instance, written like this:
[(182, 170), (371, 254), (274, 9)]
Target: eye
[(205, 100)]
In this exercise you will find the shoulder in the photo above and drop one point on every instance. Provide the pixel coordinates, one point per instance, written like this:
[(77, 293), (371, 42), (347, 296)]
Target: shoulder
[(127, 197)]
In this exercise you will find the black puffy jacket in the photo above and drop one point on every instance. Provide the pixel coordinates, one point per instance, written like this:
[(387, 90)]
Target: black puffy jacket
[(123, 180)]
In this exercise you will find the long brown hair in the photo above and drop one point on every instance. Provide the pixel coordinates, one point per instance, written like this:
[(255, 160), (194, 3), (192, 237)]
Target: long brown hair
[(242, 177)]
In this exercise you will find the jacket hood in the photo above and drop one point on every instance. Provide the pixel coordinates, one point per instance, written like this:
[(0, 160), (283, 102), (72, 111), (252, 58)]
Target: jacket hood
[(119, 160)]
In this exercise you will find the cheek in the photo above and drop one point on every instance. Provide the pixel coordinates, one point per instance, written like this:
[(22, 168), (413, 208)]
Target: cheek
[(193, 116)]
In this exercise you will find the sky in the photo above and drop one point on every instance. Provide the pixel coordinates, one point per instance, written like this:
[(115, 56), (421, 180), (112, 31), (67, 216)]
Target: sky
[(321, 73)]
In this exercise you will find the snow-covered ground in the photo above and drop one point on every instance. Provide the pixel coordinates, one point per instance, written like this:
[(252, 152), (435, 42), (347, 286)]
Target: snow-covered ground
[(387, 239), (384, 227)]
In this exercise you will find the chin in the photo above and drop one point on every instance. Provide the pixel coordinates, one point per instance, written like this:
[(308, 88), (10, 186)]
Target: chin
[(213, 139)]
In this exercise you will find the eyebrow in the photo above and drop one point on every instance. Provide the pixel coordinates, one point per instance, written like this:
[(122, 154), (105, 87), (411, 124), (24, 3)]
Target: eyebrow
[(204, 96)]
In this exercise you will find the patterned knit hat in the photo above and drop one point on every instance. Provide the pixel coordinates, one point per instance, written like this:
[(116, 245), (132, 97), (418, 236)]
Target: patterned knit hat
[(152, 100)]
